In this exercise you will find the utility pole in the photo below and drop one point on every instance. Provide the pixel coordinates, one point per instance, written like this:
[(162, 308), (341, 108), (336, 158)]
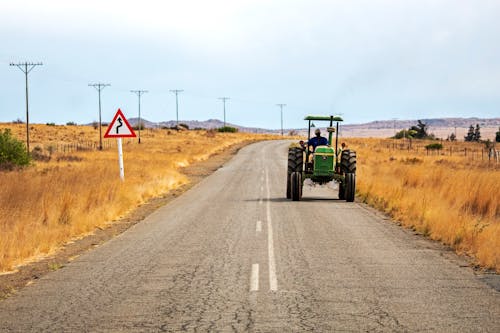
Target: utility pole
[(224, 99), (394, 126), (176, 92), (281, 108), (99, 87), (139, 93), (26, 67), (404, 135)]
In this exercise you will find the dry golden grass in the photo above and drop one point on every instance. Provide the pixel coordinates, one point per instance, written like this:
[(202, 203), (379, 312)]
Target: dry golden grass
[(452, 199), (50, 203)]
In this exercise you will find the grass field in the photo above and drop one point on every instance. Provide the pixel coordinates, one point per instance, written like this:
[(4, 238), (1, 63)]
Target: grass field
[(54, 201), (454, 199)]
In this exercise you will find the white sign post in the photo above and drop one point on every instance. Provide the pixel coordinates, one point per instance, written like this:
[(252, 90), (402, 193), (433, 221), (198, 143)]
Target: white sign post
[(120, 158), (120, 128)]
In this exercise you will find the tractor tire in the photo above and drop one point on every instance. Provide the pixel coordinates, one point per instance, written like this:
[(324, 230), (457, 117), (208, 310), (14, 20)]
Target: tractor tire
[(288, 187), (296, 185), (341, 191), (348, 161), (350, 186), (295, 163)]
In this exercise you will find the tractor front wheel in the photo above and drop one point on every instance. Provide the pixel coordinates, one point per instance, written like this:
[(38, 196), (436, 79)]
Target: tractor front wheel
[(296, 185), (350, 186)]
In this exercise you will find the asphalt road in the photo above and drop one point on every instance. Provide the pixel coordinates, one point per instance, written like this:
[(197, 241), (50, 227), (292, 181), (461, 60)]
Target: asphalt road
[(232, 254)]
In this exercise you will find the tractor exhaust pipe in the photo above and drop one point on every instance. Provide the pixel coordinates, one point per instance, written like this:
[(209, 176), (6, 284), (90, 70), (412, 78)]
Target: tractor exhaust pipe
[(337, 144)]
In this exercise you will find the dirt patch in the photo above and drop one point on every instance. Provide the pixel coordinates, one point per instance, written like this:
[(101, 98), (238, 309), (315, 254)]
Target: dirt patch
[(27, 274)]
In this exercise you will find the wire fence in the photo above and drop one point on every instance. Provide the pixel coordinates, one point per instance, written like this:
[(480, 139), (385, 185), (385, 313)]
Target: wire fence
[(470, 153), (64, 148)]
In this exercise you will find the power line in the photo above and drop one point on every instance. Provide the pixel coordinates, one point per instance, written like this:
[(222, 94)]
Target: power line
[(176, 92), (224, 99), (139, 93), (281, 108), (99, 87), (27, 67)]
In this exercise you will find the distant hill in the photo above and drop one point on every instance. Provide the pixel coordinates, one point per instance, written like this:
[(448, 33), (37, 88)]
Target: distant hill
[(440, 127), (435, 122), (206, 124)]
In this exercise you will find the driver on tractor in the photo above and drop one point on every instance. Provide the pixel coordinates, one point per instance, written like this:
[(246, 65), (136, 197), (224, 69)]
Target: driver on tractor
[(318, 140)]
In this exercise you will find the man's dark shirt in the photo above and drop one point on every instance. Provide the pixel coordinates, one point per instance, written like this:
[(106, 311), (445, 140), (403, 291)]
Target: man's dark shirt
[(317, 141)]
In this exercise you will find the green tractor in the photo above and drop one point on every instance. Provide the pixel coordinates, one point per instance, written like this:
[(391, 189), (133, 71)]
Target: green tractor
[(323, 164)]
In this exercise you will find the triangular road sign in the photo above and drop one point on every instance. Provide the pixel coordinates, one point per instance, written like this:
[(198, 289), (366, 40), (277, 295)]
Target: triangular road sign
[(119, 127)]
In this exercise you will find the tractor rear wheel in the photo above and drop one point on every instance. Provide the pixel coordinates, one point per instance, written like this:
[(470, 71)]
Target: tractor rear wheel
[(341, 191), (350, 186), (295, 162), (288, 187), (348, 161), (296, 185)]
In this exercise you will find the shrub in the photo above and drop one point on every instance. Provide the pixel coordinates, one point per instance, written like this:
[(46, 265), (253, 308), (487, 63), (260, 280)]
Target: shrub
[(488, 144), (12, 151), (138, 125), (50, 124), (71, 123), (409, 134), (69, 158), (412, 160), (227, 129), (178, 128), (211, 133), (434, 146), (420, 130), (38, 155)]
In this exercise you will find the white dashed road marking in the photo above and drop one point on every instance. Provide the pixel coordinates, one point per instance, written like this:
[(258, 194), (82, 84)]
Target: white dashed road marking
[(254, 279), (273, 281), (258, 227)]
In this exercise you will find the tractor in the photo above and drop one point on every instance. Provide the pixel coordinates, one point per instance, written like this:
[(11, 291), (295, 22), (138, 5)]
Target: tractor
[(324, 164)]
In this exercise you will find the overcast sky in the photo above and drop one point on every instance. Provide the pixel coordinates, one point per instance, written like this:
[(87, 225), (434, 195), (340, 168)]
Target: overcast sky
[(367, 60)]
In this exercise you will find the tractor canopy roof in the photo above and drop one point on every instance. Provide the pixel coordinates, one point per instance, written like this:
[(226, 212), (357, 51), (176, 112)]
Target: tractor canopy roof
[(323, 118)]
